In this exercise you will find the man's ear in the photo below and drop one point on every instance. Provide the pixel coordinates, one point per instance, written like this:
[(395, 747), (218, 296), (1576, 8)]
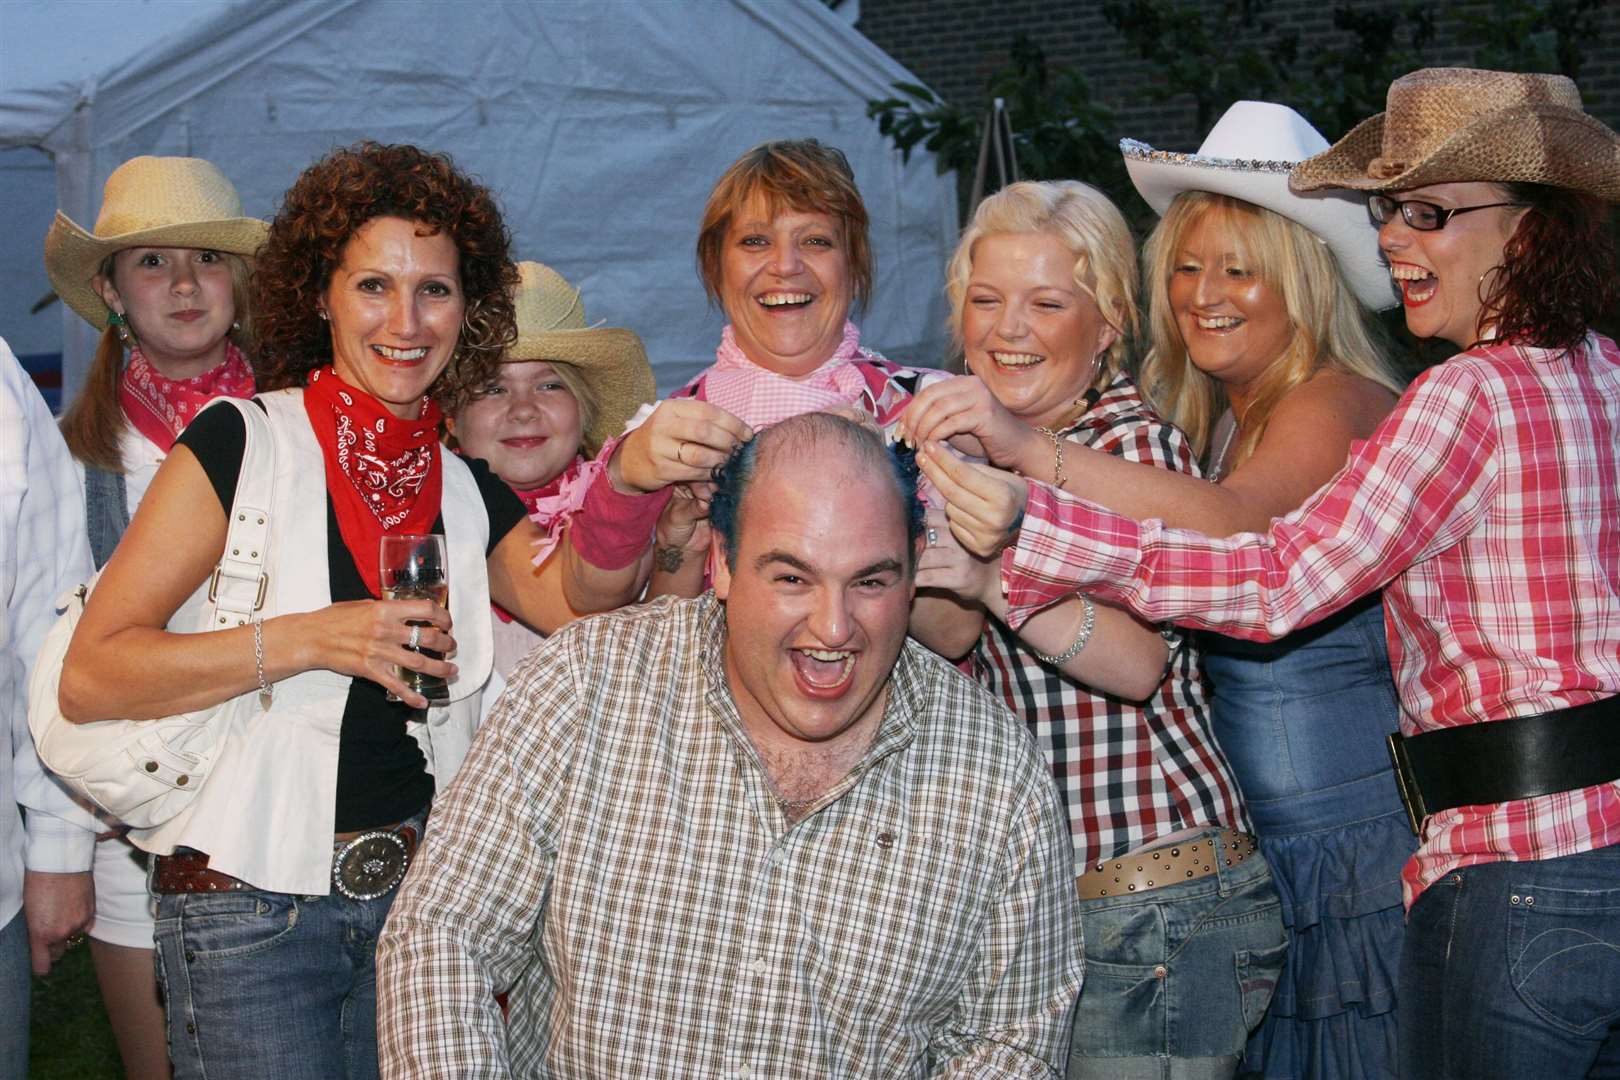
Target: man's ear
[(722, 570)]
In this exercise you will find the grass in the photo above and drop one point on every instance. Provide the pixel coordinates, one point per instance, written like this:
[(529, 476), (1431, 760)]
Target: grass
[(69, 1037)]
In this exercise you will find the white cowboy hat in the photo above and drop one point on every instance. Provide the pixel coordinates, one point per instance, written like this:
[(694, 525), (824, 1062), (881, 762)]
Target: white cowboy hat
[(612, 361), (1248, 155), (148, 202)]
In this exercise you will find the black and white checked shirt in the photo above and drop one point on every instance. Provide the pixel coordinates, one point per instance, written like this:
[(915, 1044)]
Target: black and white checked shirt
[(611, 853), (1128, 773)]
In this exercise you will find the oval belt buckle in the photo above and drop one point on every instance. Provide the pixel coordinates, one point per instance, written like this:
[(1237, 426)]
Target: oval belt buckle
[(370, 864)]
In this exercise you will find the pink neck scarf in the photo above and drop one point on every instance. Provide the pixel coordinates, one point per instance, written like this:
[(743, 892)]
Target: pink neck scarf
[(160, 407), (760, 397)]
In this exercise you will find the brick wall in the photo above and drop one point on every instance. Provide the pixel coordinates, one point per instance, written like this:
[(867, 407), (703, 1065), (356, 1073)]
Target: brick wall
[(954, 45)]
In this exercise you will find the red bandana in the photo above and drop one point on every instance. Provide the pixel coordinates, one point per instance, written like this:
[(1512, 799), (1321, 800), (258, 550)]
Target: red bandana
[(160, 407), (383, 472)]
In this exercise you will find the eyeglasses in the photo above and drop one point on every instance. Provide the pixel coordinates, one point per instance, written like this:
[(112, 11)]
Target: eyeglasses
[(1422, 216)]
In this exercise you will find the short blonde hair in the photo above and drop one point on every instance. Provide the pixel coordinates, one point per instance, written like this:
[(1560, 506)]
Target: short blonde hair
[(1331, 327), (1088, 224)]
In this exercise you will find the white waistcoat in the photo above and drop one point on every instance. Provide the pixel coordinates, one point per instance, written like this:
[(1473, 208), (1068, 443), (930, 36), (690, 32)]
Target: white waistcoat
[(265, 813)]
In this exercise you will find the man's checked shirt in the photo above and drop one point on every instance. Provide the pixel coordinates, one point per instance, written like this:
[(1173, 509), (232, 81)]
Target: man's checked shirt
[(1487, 506), (612, 852)]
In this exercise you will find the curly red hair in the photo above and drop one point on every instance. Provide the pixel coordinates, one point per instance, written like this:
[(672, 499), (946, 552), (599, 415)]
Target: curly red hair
[(327, 205), (1559, 273)]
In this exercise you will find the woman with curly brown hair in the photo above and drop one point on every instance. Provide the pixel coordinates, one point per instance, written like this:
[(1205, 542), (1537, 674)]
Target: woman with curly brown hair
[(384, 290)]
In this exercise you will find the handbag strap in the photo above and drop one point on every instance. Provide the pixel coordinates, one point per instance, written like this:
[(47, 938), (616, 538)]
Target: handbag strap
[(240, 584)]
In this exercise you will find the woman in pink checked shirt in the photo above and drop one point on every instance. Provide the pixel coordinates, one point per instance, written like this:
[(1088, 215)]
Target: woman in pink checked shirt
[(1485, 505)]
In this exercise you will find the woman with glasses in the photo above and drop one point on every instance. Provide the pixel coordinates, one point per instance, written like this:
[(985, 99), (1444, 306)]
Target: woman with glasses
[(1485, 506)]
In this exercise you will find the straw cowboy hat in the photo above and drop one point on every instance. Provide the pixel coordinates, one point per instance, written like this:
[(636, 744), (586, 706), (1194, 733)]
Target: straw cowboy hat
[(1248, 155), (1444, 125), (148, 202), (613, 362)]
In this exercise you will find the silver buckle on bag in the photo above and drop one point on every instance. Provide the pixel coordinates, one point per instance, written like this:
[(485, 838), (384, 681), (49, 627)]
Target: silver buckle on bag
[(213, 588), (370, 864)]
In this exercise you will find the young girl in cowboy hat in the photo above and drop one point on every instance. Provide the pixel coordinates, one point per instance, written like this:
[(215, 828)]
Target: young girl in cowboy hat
[(383, 288), (562, 390), (1485, 505), (164, 275)]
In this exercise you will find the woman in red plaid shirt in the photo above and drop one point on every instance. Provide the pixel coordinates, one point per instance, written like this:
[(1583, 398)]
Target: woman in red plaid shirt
[(1486, 506)]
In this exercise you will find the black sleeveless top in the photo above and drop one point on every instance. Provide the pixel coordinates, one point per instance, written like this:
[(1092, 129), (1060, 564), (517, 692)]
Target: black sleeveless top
[(382, 776)]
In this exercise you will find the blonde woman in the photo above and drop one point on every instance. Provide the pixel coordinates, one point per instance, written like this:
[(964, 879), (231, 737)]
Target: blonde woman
[(1042, 291), (164, 276)]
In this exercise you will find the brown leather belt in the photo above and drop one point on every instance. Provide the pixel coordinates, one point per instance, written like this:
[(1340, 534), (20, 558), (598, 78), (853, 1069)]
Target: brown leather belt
[(188, 871), (1172, 864)]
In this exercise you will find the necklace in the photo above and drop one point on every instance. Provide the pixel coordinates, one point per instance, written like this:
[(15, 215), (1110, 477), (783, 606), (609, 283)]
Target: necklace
[(1217, 461)]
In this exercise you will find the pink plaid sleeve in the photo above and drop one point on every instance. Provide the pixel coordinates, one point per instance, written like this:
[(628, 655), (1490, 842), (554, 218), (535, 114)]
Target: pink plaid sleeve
[(1417, 486)]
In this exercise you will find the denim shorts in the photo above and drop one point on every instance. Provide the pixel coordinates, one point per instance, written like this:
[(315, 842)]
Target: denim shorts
[(1177, 977), (265, 984)]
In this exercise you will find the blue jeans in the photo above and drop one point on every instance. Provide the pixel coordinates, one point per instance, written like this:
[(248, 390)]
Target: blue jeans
[(1176, 978), (15, 986), (1512, 969), (263, 984)]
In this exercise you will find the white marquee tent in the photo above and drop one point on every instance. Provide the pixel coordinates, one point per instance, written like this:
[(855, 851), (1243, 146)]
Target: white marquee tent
[(601, 124)]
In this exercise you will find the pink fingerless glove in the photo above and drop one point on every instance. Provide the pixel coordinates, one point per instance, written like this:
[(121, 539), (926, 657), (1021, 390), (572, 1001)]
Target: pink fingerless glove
[(612, 529)]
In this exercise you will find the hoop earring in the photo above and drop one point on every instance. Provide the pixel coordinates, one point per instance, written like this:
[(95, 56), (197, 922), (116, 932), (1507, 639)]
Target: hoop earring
[(120, 326)]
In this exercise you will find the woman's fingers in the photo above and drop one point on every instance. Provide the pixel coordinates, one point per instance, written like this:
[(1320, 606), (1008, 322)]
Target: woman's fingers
[(982, 503), (931, 414)]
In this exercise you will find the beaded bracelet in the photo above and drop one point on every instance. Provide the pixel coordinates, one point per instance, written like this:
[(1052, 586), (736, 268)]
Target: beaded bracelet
[(1058, 477), (1088, 623)]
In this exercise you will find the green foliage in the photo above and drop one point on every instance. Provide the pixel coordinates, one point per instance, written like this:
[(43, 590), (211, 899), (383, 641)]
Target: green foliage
[(1215, 53), (1341, 87), (1058, 130), (1521, 35)]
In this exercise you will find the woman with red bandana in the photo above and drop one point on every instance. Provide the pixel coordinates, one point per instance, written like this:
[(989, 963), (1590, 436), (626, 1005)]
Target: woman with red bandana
[(562, 389), (1485, 507), (164, 276), (383, 296)]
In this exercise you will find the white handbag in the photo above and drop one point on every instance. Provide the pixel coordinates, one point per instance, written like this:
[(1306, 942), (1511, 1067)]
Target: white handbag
[(144, 772)]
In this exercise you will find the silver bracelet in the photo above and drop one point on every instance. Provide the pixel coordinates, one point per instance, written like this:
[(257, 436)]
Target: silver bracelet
[(1088, 623), (266, 690)]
